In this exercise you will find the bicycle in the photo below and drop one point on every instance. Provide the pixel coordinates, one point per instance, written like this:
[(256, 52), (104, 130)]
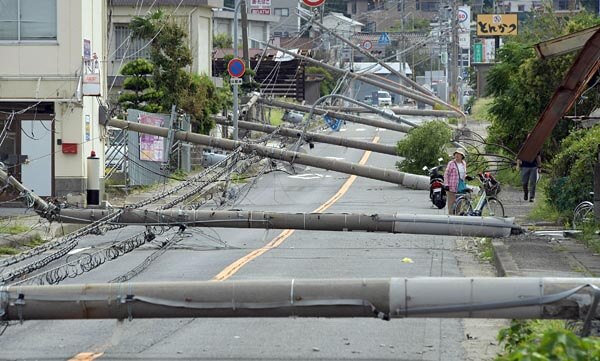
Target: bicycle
[(487, 205), (583, 214)]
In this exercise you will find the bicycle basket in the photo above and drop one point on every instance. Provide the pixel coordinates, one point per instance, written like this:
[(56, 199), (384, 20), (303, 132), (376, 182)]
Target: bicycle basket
[(491, 187)]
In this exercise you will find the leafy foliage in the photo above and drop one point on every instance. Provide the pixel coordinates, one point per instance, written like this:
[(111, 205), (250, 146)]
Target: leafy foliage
[(522, 85), (328, 82), (573, 169), (423, 145), (527, 341), (170, 56), (222, 41), (139, 88)]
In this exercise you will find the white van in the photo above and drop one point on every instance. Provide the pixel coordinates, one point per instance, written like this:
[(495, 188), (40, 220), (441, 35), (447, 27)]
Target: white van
[(382, 98)]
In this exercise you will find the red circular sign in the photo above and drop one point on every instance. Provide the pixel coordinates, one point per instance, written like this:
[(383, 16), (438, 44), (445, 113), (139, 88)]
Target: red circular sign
[(236, 68), (367, 45), (313, 3)]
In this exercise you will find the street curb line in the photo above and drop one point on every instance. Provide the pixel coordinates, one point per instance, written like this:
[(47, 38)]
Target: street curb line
[(503, 261)]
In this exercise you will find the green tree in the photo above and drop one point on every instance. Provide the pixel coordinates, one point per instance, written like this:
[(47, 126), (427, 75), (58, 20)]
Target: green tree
[(328, 82), (171, 57), (572, 176), (139, 89), (522, 85), (222, 41), (423, 145)]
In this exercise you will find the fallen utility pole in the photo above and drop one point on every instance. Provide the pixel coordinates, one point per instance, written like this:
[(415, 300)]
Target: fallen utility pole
[(40, 205), (360, 120), (396, 88), (310, 137), (342, 222), (384, 298), (396, 110), (386, 175), (420, 90)]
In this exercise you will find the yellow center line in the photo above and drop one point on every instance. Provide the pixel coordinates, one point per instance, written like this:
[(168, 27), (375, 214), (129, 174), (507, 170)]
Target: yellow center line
[(232, 269), (86, 356)]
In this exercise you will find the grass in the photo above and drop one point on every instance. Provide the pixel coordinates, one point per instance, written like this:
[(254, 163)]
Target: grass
[(274, 116), (13, 229), (8, 251), (486, 250), (542, 210), (479, 112)]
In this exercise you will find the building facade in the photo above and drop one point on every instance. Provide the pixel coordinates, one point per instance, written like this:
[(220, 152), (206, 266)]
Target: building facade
[(50, 49)]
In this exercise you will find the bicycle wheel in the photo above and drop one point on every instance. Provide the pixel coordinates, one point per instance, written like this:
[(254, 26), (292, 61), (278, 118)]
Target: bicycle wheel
[(584, 214), (462, 207), (493, 208)]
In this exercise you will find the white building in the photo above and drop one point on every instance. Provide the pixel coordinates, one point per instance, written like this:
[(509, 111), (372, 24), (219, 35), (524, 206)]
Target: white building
[(49, 126)]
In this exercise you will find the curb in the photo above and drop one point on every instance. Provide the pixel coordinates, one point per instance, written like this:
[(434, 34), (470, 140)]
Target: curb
[(503, 261)]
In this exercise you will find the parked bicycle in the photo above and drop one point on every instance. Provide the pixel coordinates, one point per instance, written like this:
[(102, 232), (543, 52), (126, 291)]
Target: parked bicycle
[(487, 203), (583, 214)]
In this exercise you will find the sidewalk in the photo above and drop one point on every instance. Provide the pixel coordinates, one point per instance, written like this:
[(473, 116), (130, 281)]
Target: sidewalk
[(542, 251)]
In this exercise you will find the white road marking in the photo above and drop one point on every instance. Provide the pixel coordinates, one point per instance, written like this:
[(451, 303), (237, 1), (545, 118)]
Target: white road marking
[(360, 129), (306, 176), (75, 251)]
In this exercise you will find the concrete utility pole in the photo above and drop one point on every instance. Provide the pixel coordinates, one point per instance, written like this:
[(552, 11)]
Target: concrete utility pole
[(386, 175), (454, 63), (39, 204), (341, 222), (316, 137), (236, 114), (384, 298), (245, 52), (396, 110), (306, 109), (420, 89), (396, 89)]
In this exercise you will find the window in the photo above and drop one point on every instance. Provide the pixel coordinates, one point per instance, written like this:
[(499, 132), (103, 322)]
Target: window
[(282, 12), (27, 20), (129, 48), (521, 8), (563, 5)]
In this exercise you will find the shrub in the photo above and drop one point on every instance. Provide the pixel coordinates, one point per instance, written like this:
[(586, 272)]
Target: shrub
[(423, 145)]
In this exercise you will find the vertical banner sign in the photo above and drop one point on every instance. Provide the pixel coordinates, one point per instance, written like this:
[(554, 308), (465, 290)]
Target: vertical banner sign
[(152, 147), (464, 27), (496, 24), (478, 53), (88, 130), (87, 49)]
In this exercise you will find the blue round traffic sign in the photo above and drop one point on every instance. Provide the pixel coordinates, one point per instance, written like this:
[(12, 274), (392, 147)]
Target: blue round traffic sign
[(236, 68)]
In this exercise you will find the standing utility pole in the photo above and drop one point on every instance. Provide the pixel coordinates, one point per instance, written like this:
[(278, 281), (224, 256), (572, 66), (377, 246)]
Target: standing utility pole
[(454, 63)]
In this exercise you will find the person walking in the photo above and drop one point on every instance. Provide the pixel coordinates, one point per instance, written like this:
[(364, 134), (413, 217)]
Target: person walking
[(456, 170), (529, 176)]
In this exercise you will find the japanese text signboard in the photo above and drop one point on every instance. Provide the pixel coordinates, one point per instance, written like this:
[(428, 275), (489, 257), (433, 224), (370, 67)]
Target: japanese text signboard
[(260, 3), (496, 24)]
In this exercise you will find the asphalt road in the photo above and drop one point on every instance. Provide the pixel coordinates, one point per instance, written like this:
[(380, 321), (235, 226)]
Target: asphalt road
[(204, 253)]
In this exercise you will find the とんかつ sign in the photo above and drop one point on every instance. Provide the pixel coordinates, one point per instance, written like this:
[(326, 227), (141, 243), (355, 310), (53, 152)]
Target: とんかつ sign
[(496, 24)]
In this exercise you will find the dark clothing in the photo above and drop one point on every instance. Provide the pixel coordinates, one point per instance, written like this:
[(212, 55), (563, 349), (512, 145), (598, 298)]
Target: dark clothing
[(525, 164)]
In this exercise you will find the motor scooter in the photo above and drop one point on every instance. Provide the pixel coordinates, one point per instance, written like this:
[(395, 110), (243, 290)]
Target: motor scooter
[(437, 191)]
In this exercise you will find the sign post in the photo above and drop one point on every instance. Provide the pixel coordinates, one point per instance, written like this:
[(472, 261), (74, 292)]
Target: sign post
[(236, 68)]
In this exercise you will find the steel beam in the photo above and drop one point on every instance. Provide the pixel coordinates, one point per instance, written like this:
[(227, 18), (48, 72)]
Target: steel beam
[(386, 175), (384, 298), (586, 65), (564, 44), (341, 222), (313, 137)]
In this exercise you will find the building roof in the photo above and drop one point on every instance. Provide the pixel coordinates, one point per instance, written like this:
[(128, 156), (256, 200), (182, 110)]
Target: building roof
[(342, 18)]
